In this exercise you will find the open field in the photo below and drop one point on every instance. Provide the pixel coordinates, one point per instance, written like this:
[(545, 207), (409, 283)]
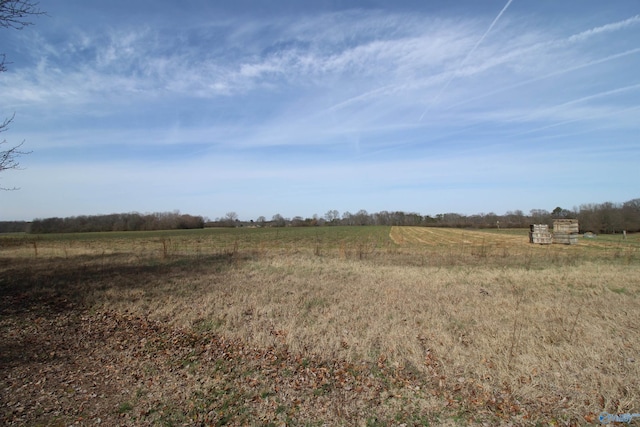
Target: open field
[(317, 326)]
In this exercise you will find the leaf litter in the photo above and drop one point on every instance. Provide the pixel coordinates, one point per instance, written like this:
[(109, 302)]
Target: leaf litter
[(80, 367)]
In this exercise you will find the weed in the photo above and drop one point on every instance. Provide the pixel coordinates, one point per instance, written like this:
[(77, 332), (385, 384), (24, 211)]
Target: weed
[(575, 322), (516, 330), (315, 303), (125, 407), (208, 325), (165, 247), (374, 422)]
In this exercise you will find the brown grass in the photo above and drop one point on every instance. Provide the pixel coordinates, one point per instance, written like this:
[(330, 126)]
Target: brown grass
[(483, 327)]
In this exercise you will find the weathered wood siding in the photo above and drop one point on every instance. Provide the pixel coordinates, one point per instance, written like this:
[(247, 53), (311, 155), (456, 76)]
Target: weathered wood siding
[(569, 226), (540, 234)]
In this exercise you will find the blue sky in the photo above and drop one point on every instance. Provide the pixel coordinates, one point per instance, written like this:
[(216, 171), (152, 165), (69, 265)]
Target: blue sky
[(297, 107)]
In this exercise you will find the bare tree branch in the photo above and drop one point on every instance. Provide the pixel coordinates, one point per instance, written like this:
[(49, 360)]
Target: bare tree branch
[(9, 157), (14, 13)]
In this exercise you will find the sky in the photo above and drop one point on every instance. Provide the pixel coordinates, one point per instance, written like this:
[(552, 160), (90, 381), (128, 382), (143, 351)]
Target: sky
[(297, 108)]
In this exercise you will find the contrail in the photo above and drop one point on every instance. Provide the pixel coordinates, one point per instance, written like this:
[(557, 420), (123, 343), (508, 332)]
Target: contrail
[(579, 37), (464, 60), (547, 111), (564, 122), (599, 95), (615, 26), (553, 74)]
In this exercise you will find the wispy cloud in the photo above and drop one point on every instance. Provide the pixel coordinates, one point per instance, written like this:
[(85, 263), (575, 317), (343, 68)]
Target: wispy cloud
[(410, 64)]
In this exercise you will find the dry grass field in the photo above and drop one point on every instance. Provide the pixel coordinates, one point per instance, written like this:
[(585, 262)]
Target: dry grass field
[(370, 326)]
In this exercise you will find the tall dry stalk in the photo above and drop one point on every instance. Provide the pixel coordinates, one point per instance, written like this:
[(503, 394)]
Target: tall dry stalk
[(516, 329)]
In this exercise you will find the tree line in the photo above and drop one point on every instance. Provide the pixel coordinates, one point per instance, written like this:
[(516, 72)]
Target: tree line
[(597, 218), (116, 222), (602, 218)]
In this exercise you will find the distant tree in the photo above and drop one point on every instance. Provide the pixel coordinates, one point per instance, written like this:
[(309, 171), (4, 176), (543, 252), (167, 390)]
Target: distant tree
[(382, 218), (117, 222), (347, 218), (278, 220), (413, 219), (452, 219), (631, 215), (515, 219), (297, 221), (587, 218), (332, 216), (13, 14), (632, 204), (14, 226), (397, 218), (610, 218), (361, 217), (558, 212), (230, 219), (540, 216)]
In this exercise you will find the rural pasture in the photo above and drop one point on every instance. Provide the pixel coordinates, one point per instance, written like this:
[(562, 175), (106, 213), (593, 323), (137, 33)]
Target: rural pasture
[(317, 326)]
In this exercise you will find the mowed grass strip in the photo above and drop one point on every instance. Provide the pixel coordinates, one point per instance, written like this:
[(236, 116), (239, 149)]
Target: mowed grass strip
[(511, 246), (432, 236)]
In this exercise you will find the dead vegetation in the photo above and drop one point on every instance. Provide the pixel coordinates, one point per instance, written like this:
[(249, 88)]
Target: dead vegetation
[(425, 327)]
